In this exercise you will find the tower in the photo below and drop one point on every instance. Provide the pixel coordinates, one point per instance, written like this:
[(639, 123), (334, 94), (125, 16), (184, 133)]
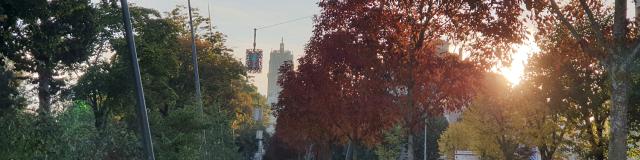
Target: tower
[(637, 9), (276, 59)]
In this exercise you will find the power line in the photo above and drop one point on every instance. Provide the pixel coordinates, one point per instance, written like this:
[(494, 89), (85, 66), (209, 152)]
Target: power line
[(289, 21), (272, 25)]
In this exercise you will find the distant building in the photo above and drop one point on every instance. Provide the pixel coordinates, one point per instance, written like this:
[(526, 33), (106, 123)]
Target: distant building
[(276, 59), (442, 47), (637, 10)]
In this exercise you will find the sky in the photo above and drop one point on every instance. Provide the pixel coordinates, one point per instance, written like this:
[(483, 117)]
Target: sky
[(237, 18)]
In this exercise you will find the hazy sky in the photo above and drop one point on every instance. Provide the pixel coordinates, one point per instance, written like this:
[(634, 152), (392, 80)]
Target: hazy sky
[(237, 18)]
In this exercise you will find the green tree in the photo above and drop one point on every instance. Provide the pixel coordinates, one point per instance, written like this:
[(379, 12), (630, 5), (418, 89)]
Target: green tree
[(44, 38), (572, 91), (453, 139), (11, 100), (435, 128), (167, 73), (18, 140), (392, 144), (544, 127)]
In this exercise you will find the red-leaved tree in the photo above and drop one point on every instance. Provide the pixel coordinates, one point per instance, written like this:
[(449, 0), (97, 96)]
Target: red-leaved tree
[(372, 64)]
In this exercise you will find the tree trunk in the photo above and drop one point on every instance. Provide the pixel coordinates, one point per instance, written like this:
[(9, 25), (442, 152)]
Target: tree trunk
[(598, 152), (309, 152), (546, 153), (99, 113), (410, 155), (355, 149), (348, 155), (324, 152), (620, 97), (44, 91), (595, 141), (620, 84), (100, 120), (507, 147)]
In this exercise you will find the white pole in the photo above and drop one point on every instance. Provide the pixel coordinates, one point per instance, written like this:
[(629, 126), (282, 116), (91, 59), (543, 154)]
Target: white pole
[(425, 139)]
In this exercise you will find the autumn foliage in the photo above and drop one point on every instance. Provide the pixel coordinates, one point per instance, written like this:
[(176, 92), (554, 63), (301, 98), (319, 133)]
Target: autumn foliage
[(601, 30), (373, 64)]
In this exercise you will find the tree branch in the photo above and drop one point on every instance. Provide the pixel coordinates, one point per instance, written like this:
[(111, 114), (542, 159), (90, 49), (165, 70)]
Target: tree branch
[(556, 10), (579, 37), (619, 24), (595, 26), (619, 34)]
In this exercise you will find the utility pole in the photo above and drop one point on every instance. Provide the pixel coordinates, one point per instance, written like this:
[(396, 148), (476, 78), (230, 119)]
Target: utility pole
[(147, 144), (194, 59), (257, 116), (254, 38)]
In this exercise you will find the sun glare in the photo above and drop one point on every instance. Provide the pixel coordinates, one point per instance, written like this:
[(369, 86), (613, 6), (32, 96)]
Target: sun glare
[(515, 71)]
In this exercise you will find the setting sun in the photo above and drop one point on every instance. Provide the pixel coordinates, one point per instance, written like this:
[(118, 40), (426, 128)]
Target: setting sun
[(519, 59)]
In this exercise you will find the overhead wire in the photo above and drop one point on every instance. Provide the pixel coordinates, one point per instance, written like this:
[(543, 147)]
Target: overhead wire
[(285, 22)]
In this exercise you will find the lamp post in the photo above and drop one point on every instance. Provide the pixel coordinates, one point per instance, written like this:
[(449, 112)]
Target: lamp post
[(257, 116)]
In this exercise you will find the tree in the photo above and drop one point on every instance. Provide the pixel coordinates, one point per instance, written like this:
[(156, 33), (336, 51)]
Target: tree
[(496, 108), (278, 150), (94, 118), (572, 89), (492, 126), (610, 38), (453, 139), (164, 44), (372, 71), (392, 144), (44, 38), (96, 88), (435, 127), (394, 141), (10, 99), (634, 126), (546, 128)]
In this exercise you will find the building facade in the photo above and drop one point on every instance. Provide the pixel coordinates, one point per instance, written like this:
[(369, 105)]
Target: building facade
[(276, 59)]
